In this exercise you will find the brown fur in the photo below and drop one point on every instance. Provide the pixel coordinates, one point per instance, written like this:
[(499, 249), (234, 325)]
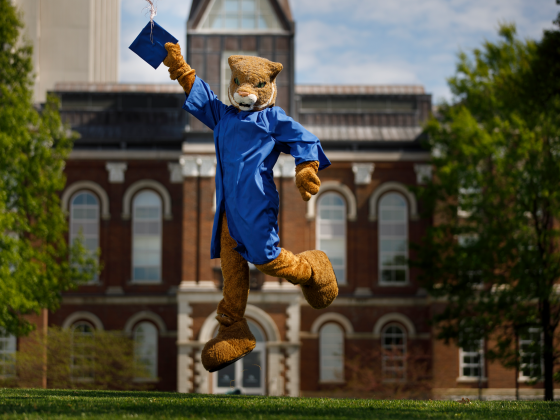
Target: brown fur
[(310, 269), (178, 69), (250, 71), (307, 181)]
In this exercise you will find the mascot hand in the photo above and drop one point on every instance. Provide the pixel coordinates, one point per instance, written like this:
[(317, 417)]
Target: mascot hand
[(178, 69), (307, 181)]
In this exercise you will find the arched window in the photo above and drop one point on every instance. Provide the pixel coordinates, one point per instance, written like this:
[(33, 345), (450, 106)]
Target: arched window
[(331, 353), (84, 220), (146, 347), (331, 232), (146, 237), (7, 355), (393, 239), (247, 374), (83, 351), (393, 359)]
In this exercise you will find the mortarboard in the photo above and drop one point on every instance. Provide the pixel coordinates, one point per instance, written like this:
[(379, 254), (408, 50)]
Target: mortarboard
[(152, 52)]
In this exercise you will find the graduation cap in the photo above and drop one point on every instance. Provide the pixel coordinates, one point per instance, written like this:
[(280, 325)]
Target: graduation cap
[(150, 44)]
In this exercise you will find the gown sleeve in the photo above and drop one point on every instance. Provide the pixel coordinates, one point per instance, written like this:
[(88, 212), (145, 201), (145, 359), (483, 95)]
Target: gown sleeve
[(292, 138), (204, 104)]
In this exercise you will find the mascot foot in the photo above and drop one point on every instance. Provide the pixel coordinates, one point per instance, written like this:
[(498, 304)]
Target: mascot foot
[(322, 288), (310, 269), (231, 344)]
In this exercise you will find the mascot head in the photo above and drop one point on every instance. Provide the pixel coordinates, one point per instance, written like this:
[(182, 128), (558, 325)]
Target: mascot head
[(253, 82)]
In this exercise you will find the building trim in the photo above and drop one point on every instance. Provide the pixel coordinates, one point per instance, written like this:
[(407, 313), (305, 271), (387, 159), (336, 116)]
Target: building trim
[(392, 186), (332, 316), (146, 184), (377, 301), (88, 316), (86, 185), (394, 317), (334, 186), (145, 316), (119, 300), (124, 155)]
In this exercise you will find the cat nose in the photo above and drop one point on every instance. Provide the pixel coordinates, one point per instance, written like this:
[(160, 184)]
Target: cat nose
[(243, 94)]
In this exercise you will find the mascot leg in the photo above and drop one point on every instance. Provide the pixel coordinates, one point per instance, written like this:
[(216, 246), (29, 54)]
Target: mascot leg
[(234, 339), (310, 269)]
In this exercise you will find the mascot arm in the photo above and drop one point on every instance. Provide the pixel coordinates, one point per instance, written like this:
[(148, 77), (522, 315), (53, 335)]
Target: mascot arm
[(307, 181), (178, 69)]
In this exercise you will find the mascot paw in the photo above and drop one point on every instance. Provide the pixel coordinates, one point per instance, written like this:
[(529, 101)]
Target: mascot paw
[(231, 344), (307, 181), (178, 69)]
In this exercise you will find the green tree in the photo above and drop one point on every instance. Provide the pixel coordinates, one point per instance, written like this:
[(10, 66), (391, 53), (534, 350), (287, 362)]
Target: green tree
[(492, 256), (36, 264)]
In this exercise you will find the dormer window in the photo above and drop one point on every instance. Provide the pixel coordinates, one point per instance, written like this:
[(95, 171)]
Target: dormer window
[(247, 15)]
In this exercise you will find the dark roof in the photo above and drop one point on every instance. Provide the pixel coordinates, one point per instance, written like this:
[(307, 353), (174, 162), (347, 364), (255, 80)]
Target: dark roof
[(119, 87)]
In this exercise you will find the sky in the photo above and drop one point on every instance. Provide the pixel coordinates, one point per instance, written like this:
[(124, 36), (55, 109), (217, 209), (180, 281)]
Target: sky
[(363, 41)]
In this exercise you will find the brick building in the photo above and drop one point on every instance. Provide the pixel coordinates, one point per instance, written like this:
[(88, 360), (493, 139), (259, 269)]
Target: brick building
[(141, 187)]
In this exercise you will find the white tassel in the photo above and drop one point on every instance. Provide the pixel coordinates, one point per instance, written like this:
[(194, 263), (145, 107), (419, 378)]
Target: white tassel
[(152, 8)]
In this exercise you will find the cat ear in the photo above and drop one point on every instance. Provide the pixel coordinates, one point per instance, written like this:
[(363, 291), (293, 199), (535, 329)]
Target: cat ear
[(274, 69), (234, 59)]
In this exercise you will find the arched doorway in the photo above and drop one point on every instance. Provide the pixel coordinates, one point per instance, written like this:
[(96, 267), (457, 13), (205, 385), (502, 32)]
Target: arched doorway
[(248, 374)]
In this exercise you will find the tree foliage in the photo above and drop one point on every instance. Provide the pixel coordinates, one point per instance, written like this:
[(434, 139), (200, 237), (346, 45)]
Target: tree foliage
[(100, 360), (492, 255), (36, 263)]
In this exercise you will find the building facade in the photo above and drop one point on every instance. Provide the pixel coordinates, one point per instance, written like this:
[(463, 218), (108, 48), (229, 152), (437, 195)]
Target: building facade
[(141, 187)]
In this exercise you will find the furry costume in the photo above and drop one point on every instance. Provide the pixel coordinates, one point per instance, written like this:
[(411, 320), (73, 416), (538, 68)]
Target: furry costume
[(249, 136)]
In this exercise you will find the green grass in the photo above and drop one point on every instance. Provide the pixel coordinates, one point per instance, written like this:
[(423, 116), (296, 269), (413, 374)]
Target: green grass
[(59, 404)]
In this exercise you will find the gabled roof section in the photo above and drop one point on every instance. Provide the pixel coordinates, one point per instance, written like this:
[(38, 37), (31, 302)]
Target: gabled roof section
[(240, 16)]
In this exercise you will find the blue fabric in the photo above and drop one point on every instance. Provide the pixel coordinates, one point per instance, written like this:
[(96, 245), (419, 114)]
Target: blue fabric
[(152, 52), (248, 144)]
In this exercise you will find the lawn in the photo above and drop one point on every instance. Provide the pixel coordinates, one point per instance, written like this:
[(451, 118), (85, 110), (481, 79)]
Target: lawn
[(59, 404)]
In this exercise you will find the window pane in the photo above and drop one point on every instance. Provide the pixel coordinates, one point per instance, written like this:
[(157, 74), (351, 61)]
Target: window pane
[(146, 241), (226, 376), (146, 347), (331, 352), (252, 370), (231, 6), (248, 6), (331, 232), (393, 239)]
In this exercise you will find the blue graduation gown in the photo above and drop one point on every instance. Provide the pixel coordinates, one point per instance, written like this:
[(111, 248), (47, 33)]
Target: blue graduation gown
[(248, 144)]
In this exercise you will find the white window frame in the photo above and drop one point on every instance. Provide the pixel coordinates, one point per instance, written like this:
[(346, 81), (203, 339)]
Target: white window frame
[(238, 366), (225, 80), (160, 228), (343, 222), (8, 350), (380, 237), (73, 233), (385, 358), (324, 356), (480, 353), (73, 356), (154, 354), (522, 377)]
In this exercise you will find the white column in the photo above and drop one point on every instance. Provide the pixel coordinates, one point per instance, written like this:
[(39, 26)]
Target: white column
[(116, 171), (293, 351), (275, 379), (362, 173)]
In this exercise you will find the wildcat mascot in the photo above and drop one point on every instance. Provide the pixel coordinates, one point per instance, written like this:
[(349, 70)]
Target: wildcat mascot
[(249, 136)]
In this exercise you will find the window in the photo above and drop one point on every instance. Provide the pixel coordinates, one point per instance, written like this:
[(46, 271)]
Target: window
[(146, 237), (146, 347), (530, 353), (393, 358), (84, 220), (393, 239), (247, 15), (331, 353), (83, 352), (471, 361), (7, 355), (331, 232), (226, 72), (247, 374)]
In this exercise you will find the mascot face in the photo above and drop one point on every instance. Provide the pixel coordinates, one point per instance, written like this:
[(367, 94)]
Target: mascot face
[(253, 82)]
